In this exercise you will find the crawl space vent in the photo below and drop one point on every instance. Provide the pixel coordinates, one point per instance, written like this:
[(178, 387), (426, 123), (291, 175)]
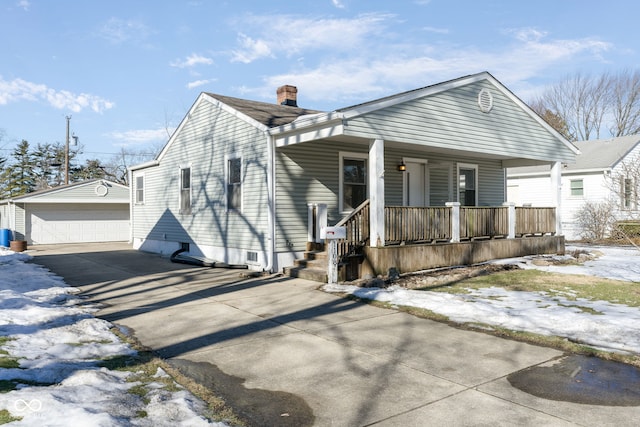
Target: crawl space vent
[(485, 100), (252, 256)]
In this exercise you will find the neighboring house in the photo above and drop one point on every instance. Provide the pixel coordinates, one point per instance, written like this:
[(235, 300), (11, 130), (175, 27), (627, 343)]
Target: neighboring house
[(248, 182), (90, 211), (598, 175)]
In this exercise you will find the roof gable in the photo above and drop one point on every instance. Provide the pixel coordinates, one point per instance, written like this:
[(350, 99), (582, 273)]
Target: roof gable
[(91, 191)]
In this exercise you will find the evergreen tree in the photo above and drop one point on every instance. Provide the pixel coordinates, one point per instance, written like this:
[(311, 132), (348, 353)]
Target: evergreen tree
[(92, 169), (19, 177)]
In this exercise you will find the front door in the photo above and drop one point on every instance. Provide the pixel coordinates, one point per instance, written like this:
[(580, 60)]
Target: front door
[(415, 184)]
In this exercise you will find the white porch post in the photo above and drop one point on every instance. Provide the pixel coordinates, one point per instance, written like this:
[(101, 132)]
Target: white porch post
[(321, 220), (556, 199), (455, 221), (512, 219), (376, 192)]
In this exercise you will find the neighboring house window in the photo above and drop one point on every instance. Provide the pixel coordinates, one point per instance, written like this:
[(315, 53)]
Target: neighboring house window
[(185, 190), (577, 188), (628, 199), (467, 185), (234, 184), (140, 189), (353, 180)]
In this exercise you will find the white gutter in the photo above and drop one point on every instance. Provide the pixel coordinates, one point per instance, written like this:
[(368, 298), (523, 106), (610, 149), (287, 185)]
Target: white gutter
[(149, 164)]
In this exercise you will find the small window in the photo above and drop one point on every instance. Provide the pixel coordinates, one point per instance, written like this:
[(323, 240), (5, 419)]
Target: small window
[(234, 184), (354, 183), (140, 189), (185, 190), (628, 194), (577, 188), (467, 185)]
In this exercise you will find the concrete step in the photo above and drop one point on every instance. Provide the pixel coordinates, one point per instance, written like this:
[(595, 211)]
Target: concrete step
[(316, 255), (315, 274)]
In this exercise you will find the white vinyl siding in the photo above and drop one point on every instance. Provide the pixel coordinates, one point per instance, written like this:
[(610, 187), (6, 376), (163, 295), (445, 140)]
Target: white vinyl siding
[(452, 119)]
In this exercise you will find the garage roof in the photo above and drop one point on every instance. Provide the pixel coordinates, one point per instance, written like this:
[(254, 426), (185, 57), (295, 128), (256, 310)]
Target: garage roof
[(92, 191)]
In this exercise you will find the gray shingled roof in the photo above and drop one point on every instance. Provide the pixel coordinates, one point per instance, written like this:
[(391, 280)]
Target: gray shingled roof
[(595, 154), (270, 115)]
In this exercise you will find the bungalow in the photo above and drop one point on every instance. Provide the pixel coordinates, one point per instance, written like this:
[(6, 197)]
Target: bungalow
[(91, 211), (247, 182), (606, 171)]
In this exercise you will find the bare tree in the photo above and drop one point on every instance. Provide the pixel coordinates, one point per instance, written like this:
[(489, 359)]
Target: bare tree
[(580, 101), (583, 107), (596, 220), (625, 103)]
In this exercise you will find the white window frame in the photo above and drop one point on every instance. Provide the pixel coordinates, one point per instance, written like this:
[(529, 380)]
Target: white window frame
[(474, 167), (576, 196), (350, 156), (189, 210), (228, 159), (632, 199), (137, 189)]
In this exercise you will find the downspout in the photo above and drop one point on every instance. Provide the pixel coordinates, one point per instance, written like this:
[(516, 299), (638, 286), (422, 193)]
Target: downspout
[(271, 202), (131, 201)]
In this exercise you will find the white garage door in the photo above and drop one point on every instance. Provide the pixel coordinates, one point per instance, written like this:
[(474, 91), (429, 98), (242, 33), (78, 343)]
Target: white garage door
[(48, 223)]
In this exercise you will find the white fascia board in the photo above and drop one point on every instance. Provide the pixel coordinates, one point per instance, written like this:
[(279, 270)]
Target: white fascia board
[(309, 134), (307, 121), (204, 97), (96, 201), (253, 122), (415, 94)]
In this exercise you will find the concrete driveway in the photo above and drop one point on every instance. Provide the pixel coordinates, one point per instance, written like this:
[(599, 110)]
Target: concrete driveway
[(281, 352)]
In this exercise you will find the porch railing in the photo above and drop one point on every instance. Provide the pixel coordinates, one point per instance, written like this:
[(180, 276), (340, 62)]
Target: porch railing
[(484, 222), (357, 228), (532, 221), (416, 225), (404, 224)]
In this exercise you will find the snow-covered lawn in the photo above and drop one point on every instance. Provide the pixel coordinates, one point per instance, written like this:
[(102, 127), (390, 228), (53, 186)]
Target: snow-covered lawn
[(50, 350), (601, 324)]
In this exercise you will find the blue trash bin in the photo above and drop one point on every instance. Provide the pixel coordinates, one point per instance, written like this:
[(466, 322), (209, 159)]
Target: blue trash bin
[(5, 237)]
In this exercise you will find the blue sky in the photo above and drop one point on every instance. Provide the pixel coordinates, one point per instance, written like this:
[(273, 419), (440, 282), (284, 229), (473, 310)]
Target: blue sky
[(127, 71)]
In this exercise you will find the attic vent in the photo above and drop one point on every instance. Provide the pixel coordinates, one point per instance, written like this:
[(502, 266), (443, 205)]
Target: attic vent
[(101, 190), (485, 100)]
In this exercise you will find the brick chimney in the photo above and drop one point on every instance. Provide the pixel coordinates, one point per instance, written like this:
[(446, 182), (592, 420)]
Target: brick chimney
[(287, 95)]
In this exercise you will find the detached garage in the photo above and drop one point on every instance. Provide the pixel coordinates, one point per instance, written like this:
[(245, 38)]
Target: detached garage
[(90, 211)]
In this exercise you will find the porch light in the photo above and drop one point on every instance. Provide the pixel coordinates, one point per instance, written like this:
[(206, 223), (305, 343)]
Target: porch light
[(402, 167)]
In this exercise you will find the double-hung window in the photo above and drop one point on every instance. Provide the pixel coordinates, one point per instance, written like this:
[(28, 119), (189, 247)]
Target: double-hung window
[(185, 190), (468, 185), (139, 189), (628, 194), (234, 184), (577, 187), (353, 180)]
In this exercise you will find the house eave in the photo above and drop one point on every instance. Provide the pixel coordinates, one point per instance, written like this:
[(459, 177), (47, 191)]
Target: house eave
[(309, 128), (145, 165)]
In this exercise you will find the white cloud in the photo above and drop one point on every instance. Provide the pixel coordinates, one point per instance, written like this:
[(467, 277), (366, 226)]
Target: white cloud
[(289, 35), (436, 30), (118, 31), (191, 61), (338, 3), (140, 136), (394, 69), (22, 90), (24, 4), (198, 83)]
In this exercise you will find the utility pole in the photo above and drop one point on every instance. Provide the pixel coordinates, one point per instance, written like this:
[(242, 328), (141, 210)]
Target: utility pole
[(66, 154)]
